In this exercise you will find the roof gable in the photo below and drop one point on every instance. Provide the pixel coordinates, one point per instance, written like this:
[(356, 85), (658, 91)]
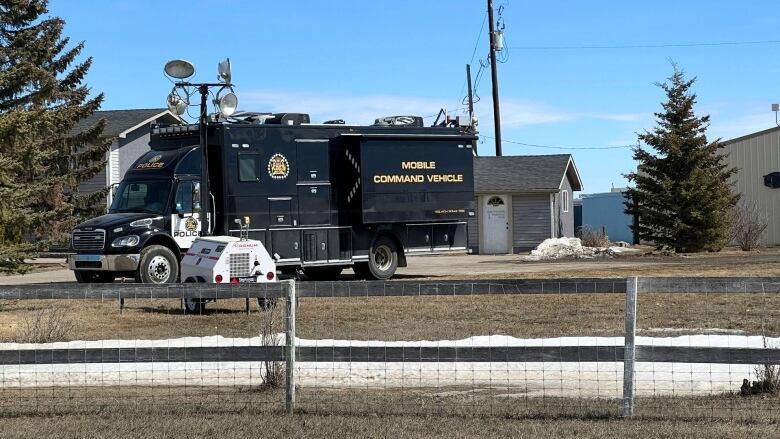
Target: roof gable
[(525, 173), (119, 122)]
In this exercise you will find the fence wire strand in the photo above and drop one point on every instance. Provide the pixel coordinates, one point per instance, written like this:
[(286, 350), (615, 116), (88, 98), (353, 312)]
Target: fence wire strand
[(520, 348)]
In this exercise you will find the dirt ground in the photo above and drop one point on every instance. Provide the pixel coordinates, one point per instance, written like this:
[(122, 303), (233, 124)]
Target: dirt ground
[(729, 262)]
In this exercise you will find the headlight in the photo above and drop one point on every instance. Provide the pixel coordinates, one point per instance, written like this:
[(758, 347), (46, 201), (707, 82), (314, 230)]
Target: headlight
[(126, 241), (146, 222)]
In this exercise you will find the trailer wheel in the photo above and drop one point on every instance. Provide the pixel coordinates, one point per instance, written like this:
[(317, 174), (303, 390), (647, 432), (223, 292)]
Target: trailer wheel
[(266, 304), (193, 305), (91, 277), (382, 259), (158, 265), (322, 273)]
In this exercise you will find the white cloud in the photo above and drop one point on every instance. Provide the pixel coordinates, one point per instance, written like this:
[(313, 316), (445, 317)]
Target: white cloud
[(729, 128), (618, 117)]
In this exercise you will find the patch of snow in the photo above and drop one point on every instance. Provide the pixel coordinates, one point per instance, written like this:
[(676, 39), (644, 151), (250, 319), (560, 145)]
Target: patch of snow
[(594, 379), (572, 248)]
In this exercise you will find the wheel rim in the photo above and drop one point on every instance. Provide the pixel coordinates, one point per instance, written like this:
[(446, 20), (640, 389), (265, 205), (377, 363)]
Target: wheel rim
[(190, 303), (159, 269), (383, 257)]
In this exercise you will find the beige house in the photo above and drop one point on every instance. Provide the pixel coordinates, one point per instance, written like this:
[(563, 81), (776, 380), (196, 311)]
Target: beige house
[(757, 159)]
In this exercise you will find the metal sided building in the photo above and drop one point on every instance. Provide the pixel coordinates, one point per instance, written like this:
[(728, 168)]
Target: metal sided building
[(757, 159), (521, 201)]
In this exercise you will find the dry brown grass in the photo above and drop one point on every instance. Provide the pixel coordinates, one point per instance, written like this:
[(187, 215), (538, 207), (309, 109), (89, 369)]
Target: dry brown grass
[(417, 318), (231, 412)]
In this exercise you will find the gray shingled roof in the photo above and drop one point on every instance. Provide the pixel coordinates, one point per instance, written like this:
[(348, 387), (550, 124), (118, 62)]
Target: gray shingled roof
[(117, 121), (523, 173)]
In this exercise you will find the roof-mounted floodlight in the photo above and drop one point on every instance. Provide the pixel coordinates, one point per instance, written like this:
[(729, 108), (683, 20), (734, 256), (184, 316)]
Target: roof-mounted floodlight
[(176, 104), (224, 72), (179, 69), (227, 104)]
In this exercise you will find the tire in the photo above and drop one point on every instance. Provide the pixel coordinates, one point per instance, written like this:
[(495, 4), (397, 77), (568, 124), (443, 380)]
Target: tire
[(382, 259), (322, 273), (266, 304), (193, 305), (158, 265), (91, 277)]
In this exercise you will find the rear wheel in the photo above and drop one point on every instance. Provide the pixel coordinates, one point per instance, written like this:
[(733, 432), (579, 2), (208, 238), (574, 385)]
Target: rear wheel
[(158, 265), (322, 273), (91, 277), (382, 259)]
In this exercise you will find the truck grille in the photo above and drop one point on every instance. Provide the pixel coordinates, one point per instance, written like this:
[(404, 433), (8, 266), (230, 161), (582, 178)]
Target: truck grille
[(239, 265), (92, 240)]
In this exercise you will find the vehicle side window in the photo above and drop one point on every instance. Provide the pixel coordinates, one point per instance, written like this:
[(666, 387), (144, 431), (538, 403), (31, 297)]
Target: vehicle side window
[(190, 164), (248, 167), (196, 196), (184, 197)]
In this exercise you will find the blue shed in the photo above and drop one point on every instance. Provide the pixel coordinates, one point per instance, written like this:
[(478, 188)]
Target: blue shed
[(606, 210)]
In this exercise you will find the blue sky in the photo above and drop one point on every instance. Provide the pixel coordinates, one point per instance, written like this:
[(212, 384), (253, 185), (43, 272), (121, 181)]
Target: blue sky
[(359, 60)]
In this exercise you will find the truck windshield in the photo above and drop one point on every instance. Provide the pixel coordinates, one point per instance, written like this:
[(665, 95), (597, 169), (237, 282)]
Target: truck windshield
[(141, 196)]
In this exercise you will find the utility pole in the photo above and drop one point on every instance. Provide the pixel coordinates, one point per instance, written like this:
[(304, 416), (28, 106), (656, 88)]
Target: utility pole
[(471, 94), (494, 78)]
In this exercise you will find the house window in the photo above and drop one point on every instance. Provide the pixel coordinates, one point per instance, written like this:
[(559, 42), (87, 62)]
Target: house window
[(565, 200), (495, 201)]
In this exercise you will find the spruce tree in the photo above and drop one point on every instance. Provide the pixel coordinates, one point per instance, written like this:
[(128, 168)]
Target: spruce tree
[(42, 97), (682, 194)]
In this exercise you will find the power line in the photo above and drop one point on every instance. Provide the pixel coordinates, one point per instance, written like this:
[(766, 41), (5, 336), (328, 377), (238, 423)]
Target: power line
[(473, 53), (648, 46), (562, 147)]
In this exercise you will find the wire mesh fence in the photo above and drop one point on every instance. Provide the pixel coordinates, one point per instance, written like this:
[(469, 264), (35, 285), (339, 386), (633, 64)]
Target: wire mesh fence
[(704, 348)]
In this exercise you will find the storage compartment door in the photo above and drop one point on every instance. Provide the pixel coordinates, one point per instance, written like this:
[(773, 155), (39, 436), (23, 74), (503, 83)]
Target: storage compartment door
[(314, 204), (315, 245), (419, 238), (443, 236), (286, 243), (279, 212)]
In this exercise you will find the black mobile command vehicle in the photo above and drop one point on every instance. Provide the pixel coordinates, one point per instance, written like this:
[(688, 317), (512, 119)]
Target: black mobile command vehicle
[(320, 197)]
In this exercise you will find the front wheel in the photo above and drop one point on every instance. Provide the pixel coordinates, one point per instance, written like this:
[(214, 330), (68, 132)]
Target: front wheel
[(91, 277), (158, 265), (382, 259)]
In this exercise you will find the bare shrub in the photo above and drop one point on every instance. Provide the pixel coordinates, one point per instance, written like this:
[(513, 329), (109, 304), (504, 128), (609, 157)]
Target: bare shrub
[(768, 378), (273, 374), (593, 238), (747, 225), (44, 326)]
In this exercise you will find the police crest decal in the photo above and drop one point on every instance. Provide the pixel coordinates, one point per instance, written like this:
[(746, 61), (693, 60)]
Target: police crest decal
[(278, 167)]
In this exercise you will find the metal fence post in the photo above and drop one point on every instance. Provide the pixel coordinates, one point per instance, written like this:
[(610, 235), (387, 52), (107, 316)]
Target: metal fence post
[(629, 347), (289, 288)]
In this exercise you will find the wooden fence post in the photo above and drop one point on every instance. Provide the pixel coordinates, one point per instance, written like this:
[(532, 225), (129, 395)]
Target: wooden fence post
[(629, 347), (289, 288)]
